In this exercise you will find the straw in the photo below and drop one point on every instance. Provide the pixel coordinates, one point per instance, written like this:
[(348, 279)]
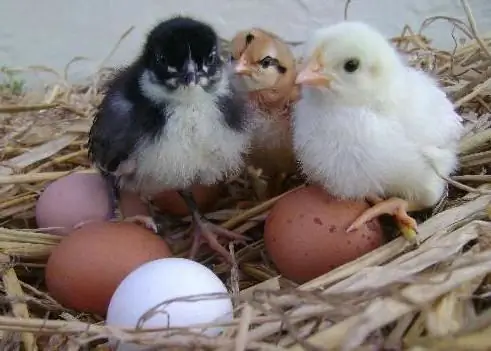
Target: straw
[(433, 297)]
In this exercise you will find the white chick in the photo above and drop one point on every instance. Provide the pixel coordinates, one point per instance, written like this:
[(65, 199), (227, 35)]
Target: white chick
[(370, 126)]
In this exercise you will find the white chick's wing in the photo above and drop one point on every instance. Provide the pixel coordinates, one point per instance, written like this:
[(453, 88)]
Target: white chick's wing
[(429, 120), (428, 115)]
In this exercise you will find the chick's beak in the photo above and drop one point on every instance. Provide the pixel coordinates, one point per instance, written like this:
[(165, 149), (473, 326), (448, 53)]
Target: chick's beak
[(243, 68), (190, 77), (312, 75)]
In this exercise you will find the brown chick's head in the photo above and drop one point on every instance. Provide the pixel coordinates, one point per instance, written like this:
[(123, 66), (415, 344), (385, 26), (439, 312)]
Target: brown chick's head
[(267, 66)]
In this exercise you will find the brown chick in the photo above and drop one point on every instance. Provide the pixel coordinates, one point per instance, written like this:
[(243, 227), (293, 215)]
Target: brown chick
[(268, 69)]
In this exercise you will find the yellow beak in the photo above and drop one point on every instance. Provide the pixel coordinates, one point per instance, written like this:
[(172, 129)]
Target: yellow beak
[(311, 75), (243, 68)]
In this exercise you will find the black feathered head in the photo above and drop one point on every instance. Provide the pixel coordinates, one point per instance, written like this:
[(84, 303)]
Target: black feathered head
[(183, 52)]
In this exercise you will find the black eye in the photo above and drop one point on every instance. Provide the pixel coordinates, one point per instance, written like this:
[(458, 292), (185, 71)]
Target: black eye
[(159, 64), (160, 59), (213, 58), (267, 62), (249, 38), (351, 65)]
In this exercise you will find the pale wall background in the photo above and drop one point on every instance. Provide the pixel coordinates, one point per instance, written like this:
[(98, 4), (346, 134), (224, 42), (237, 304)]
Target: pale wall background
[(52, 32)]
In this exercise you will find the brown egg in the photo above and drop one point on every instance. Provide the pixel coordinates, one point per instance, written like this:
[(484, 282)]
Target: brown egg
[(305, 233), (131, 205), (170, 201), (85, 269)]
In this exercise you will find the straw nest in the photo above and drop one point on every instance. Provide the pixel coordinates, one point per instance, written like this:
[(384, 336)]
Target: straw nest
[(434, 297)]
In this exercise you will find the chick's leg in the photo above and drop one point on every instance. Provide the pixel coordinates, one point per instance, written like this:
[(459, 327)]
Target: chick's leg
[(393, 206), (203, 230), (259, 186), (126, 200), (275, 185)]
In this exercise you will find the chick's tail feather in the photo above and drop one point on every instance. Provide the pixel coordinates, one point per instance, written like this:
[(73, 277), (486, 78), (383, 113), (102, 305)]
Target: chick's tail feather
[(443, 161)]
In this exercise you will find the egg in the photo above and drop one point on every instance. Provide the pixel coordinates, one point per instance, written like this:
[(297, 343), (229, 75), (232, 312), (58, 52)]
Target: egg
[(131, 205), (171, 202), (84, 270), (153, 283), (72, 200), (305, 233)]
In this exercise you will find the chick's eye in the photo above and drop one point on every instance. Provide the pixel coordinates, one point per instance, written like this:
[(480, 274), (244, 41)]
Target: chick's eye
[(213, 57), (267, 62), (160, 59), (351, 65)]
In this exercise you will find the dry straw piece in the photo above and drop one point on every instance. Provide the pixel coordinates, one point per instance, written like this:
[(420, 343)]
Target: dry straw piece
[(433, 297)]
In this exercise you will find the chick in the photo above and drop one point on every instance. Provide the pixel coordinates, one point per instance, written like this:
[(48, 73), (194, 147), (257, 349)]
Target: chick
[(172, 119), (369, 126), (267, 68)]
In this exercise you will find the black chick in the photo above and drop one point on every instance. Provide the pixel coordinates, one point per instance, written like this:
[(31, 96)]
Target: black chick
[(171, 119)]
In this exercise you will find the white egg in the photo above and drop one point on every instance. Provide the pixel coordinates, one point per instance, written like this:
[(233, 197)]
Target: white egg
[(161, 280)]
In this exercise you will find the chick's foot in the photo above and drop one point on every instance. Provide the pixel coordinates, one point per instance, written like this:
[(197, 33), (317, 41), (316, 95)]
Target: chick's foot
[(394, 206), (203, 230), (146, 221)]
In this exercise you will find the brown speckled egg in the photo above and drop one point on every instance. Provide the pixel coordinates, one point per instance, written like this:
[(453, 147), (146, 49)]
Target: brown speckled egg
[(170, 201), (71, 200), (305, 233), (85, 269)]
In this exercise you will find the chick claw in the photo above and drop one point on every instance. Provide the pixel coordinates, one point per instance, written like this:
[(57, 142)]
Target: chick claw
[(146, 221), (396, 207), (204, 230)]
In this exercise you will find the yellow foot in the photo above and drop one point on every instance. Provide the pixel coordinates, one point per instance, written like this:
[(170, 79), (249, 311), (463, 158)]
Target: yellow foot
[(396, 207), (410, 233)]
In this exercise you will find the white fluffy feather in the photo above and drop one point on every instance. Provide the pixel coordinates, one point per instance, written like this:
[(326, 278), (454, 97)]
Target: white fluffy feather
[(194, 146), (374, 131)]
